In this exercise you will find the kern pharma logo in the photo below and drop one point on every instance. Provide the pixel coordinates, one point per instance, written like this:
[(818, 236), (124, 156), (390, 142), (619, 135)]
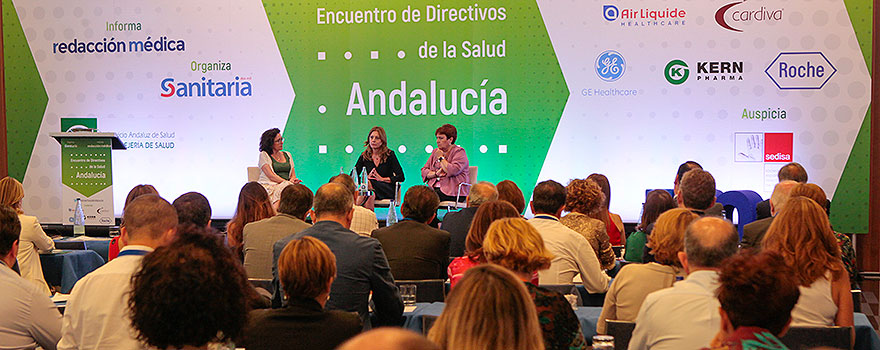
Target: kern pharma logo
[(238, 87), (676, 72)]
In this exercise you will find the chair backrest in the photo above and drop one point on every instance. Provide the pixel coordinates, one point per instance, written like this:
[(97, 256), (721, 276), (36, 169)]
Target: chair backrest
[(427, 291), (253, 174), (621, 331), (565, 289), (427, 323), (472, 175), (857, 299), (812, 337), (262, 283)]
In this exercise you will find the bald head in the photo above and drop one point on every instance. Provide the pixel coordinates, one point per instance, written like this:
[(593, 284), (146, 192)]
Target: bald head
[(781, 194), (333, 199), (388, 339), (708, 241), (482, 192)]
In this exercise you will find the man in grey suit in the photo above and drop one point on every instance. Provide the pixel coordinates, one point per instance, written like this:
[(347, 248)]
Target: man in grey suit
[(415, 250), (791, 171), (361, 267), (458, 223), (260, 236), (754, 231)]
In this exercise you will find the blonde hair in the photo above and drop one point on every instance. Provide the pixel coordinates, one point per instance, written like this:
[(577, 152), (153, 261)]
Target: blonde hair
[(515, 244), (811, 191), (584, 196), (11, 193), (667, 237), (306, 267), (802, 234), (489, 309)]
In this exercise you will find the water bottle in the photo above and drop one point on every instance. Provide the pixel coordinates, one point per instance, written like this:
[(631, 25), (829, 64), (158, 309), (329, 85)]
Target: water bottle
[(79, 219), (391, 219)]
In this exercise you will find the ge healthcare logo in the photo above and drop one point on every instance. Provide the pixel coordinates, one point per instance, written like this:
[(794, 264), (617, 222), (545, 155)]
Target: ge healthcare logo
[(800, 70), (745, 16), (676, 72), (610, 65)]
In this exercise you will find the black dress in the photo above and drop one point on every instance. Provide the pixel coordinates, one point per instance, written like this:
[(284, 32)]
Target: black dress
[(390, 168)]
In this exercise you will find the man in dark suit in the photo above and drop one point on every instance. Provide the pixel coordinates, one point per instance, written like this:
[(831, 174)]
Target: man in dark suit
[(458, 223), (361, 267), (791, 171), (753, 232), (415, 250)]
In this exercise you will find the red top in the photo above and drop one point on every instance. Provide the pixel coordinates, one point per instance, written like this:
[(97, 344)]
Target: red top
[(613, 232), (113, 249), (460, 264)]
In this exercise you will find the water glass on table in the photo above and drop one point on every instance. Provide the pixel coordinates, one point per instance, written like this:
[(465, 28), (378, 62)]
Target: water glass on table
[(603, 342), (408, 294)]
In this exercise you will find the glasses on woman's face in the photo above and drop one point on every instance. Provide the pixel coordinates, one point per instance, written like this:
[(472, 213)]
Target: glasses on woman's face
[(279, 140)]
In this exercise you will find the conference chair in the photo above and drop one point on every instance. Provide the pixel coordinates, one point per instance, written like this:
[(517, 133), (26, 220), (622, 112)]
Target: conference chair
[(253, 174), (385, 203), (565, 289), (461, 202), (427, 323), (263, 286), (857, 300), (813, 337), (427, 291), (622, 332)]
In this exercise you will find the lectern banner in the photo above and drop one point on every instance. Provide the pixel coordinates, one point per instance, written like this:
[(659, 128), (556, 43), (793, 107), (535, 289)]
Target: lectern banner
[(86, 174)]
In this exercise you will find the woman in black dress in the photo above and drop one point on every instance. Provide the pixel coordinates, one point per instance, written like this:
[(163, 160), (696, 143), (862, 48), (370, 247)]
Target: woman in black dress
[(383, 169)]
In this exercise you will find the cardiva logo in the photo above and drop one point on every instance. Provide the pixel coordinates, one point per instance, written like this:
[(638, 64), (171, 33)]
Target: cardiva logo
[(725, 16), (207, 88)]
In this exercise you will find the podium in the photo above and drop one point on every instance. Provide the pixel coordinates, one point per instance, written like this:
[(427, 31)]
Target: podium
[(86, 173)]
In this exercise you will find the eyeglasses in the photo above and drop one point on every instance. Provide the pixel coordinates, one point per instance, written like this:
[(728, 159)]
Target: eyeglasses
[(279, 140)]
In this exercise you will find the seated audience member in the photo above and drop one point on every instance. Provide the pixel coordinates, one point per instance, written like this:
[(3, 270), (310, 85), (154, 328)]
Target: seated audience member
[(193, 208), (489, 310), (847, 253), (572, 253), (30, 318), (361, 266), (686, 315), (789, 172), (635, 281), (583, 198), (32, 239), (613, 223), (388, 338), (514, 244), (306, 270), (510, 192), (485, 216), (260, 236), (190, 294), (416, 251), (364, 220), (457, 223), (754, 231), (253, 205), (656, 202), (95, 317), (757, 293), (447, 166), (802, 235), (714, 210), (136, 191)]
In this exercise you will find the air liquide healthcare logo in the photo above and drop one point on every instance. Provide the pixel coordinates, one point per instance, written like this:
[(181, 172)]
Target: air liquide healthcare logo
[(645, 17), (207, 87), (732, 15), (677, 71), (610, 65), (800, 70)]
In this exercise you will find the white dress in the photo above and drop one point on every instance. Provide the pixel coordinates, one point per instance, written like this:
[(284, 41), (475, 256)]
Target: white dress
[(272, 188), (816, 306), (31, 242)]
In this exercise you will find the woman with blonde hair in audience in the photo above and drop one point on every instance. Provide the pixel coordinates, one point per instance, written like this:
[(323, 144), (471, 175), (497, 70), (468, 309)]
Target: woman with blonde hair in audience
[(584, 198), (32, 240), (473, 255), (509, 191), (635, 281), (802, 234), (490, 309), (613, 223), (515, 244), (847, 253), (253, 205)]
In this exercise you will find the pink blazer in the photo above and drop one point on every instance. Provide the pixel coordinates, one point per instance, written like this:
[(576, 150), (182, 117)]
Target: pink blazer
[(458, 171)]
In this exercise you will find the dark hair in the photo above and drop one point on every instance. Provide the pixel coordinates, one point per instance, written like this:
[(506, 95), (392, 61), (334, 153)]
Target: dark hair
[(267, 140), (253, 205), (657, 202), (709, 240), (603, 214), (549, 197), (296, 200), (697, 189), (345, 180), (748, 277), (685, 167), (449, 131), (484, 217), (138, 191), (384, 152), (419, 203), (189, 293), (149, 215), (333, 198), (792, 171), (10, 229), (510, 192), (194, 208)]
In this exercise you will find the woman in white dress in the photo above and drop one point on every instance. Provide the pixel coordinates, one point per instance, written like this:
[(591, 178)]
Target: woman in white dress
[(32, 240), (276, 166)]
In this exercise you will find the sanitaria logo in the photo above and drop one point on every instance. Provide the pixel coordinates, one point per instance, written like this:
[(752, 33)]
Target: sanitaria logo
[(206, 88)]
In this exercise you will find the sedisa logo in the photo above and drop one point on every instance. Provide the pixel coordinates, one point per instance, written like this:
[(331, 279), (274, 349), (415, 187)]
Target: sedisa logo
[(207, 88), (727, 16), (778, 146), (644, 17), (764, 114)]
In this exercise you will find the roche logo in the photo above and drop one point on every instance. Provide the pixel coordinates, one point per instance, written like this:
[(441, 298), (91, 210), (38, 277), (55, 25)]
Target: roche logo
[(610, 65), (676, 72), (800, 70), (726, 16)]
